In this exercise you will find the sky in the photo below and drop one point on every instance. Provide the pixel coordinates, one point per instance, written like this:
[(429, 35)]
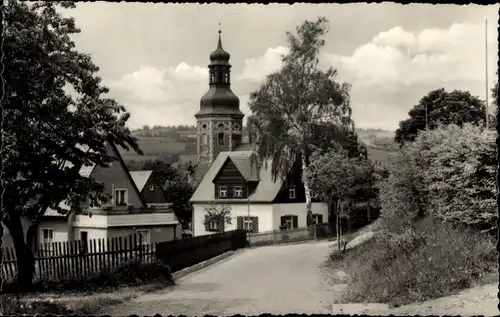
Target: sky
[(154, 57)]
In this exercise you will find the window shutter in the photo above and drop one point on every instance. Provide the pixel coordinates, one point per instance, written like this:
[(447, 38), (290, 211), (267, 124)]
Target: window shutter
[(255, 224), (239, 222), (295, 221), (320, 219)]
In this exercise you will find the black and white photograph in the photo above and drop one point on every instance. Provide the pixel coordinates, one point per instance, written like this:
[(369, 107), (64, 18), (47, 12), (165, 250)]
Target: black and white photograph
[(246, 159)]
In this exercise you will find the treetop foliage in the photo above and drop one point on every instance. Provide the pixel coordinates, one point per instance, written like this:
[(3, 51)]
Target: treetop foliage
[(456, 107)]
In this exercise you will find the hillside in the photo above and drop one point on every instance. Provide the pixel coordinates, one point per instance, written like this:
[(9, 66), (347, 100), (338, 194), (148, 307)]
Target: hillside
[(179, 144)]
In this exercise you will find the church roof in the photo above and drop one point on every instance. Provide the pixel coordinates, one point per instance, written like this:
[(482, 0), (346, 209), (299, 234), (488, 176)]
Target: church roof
[(219, 54)]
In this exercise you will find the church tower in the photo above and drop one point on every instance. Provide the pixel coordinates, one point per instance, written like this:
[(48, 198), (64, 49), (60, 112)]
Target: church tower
[(219, 121)]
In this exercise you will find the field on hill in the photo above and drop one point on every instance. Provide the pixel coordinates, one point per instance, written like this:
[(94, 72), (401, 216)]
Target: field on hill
[(158, 141)]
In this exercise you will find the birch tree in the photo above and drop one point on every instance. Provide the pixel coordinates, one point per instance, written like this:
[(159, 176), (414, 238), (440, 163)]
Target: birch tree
[(300, 107)]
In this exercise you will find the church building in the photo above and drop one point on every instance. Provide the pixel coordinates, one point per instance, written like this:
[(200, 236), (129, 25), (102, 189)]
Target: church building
[(257, 203)]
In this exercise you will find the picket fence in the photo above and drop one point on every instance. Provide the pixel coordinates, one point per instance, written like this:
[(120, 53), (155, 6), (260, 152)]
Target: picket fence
[(75, 260)]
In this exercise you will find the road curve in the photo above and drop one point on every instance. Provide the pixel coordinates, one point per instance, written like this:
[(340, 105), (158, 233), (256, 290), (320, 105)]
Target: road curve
[(274, 279)]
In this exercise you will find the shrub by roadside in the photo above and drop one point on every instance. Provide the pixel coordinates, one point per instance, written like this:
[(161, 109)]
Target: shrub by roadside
[(430, 260)]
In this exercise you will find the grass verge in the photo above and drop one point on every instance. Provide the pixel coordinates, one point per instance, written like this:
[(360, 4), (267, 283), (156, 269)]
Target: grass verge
[(427, 261), (90, 295)]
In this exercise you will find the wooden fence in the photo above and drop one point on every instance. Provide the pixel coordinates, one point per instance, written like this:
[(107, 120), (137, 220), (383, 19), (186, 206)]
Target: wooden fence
[(179, 254), (70, 260)]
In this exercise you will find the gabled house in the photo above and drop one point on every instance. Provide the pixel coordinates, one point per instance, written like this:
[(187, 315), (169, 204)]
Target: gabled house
[(257, 203), (152, 193), (126, 213)]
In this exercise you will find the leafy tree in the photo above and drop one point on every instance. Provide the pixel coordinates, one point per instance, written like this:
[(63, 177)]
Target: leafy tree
[(334, 176), (220, 214), (48, 134), (299, 108), (177, 188), (459, 167), (456, 107), (448, 174)]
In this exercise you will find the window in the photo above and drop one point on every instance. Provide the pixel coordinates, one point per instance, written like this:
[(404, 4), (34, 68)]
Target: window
[(248, 223), (47, 238), (291, 192), (212, 77), (289, 222), (317, 219), (238, 191), (226, 78), (121, 197), (84, 238), (152, 187), (204, 139), (221, 138), (222, 191), (143, 235), (213, 226)]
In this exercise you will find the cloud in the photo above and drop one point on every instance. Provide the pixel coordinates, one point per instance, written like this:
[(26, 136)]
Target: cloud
[(256, 69), (166, 96), (156, 96), (394, 70)]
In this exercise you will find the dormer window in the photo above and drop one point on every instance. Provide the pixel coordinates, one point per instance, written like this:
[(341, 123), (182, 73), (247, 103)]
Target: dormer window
[(291, 192), (152, 187), (238, 191), (222, 191)]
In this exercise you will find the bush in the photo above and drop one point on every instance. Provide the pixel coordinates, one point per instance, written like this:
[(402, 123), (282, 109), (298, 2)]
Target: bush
[(429, 260)]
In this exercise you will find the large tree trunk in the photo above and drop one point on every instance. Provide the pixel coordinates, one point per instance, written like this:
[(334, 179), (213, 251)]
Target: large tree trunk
[(307, 190), (24, 255)]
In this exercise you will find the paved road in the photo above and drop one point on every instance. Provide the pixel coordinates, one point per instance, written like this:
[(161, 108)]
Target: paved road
[(274, 279)]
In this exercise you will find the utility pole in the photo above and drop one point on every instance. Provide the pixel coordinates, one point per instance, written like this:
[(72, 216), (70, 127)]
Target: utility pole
[(426, 116), (486, 68)]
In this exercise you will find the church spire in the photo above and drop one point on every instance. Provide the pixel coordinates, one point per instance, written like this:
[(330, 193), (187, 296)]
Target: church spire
[(219, 55)]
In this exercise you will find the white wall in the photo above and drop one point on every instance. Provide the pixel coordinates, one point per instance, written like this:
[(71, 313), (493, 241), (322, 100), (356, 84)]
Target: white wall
[(103, 221), (59, 229), (263, 211), (297, 209)]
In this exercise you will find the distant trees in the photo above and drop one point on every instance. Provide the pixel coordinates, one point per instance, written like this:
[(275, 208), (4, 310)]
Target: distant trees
[(300, 107), (456, 107), (49, 134)]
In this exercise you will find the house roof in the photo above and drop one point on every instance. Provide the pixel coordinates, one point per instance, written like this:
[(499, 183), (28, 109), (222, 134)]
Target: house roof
[(245, 166), (140, 178), (266, 189), (86, 171)]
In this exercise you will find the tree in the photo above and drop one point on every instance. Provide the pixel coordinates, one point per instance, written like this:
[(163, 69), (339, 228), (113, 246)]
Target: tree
[(448, 174), (176, 187), (299, 108), (48, 133), (456, 107), (459, 167), (334, 176), (218, 214)]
